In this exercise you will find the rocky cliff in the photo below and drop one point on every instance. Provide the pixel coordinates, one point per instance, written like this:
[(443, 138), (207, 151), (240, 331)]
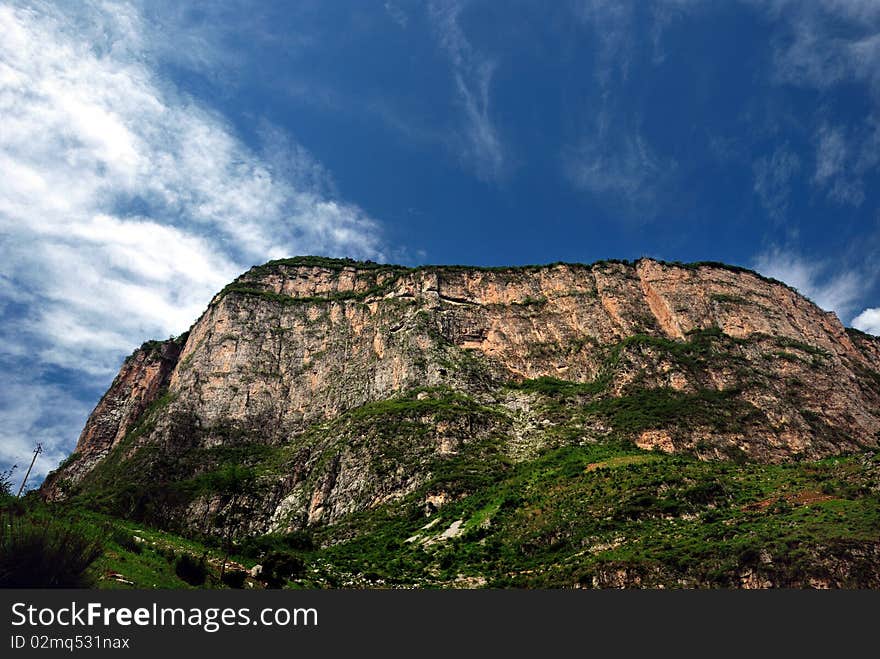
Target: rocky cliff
[(312, 389)]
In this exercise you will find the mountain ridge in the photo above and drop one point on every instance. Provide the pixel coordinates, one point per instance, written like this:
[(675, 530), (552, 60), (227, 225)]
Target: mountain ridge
[(449, 292), (352, 400)]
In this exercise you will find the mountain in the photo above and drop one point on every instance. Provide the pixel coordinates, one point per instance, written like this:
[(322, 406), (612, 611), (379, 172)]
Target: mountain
[(557, 421)]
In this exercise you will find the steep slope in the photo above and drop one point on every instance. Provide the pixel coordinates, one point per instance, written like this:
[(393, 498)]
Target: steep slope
[(313, 389)]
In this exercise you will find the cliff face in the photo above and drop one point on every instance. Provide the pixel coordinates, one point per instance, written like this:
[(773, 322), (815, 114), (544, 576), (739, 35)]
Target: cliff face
[(311, 389), (142, 379)]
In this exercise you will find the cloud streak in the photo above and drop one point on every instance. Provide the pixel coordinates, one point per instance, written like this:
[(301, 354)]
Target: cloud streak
[(125, 204), (472, 74), (772, 180), (821, 45)]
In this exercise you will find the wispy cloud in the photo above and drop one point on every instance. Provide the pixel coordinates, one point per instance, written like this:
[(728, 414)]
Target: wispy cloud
[(36, 412), (397, 14), (614, 161), (125, 204), (772, 180), (845, 157), (829, 287), (611, 24), (820, 45), (611, 158), (826, 42), (472, 73)]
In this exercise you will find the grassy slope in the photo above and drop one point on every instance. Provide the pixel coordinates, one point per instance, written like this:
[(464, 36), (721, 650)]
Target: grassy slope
[(573, 514), (563, 518)]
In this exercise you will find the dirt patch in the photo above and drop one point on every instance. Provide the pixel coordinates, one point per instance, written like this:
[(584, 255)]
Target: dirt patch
[(620, 462), (803, 498)]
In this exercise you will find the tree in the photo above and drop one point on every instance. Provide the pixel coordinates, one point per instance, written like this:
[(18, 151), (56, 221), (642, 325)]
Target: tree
[(6, 482)]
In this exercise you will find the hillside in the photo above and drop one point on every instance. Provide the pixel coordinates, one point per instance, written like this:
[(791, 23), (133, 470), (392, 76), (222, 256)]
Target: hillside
[(615, 424)]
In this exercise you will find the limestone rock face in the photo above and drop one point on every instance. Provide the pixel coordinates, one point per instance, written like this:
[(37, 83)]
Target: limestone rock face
[(281, 375), (141, 380)]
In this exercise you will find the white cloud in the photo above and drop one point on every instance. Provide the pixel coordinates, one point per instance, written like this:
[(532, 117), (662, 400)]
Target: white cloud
[(610, 156), (397, 15), (32, 413), (772, 180), (472, 73), (820, 45), (838, 169), (613, 31), (124, 203), (614, 162), (868, 321), (837, 291), (827, 42), (623, 164)]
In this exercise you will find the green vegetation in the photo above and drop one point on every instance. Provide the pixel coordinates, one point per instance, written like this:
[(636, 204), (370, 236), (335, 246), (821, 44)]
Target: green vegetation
[(574, 515), (863, 336), (785, 342), (42, 550), (190, 569), (6, 482), (701, 344), (578, 514), (530, 301), (153, 347), (666, 408), (325, 262), (726, 298)]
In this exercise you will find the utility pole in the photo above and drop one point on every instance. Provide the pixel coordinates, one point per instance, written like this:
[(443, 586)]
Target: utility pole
[(37, 451)]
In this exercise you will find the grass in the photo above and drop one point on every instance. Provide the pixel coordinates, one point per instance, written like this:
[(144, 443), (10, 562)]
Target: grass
[(785, 342), (557, 521), (573, 515), (727, 298), (42, 550), (643, 409)]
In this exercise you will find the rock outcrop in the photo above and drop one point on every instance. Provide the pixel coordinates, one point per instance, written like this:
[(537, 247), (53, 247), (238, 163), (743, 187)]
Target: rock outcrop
[(276, 411)]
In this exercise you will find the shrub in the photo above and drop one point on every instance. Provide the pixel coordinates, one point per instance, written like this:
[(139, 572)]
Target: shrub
[(276, 542), (167, 553), (279, 567), (44, 553), (234, 578), (301, 540), (125, 540), (6, 482), (191, 570)]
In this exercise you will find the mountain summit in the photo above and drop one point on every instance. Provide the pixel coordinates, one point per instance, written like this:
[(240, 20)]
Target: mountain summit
[(314, 390)]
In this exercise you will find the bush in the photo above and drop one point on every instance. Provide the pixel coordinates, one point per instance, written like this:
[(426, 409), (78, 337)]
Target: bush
[(256, 547), (298, 540), (6, 482), (125, 540), (279, 567), (167, 553), (44, 553), (234, 578), (189, 569)]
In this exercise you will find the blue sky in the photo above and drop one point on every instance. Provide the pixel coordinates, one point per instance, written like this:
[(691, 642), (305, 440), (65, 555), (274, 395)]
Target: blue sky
[(151, 151)]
